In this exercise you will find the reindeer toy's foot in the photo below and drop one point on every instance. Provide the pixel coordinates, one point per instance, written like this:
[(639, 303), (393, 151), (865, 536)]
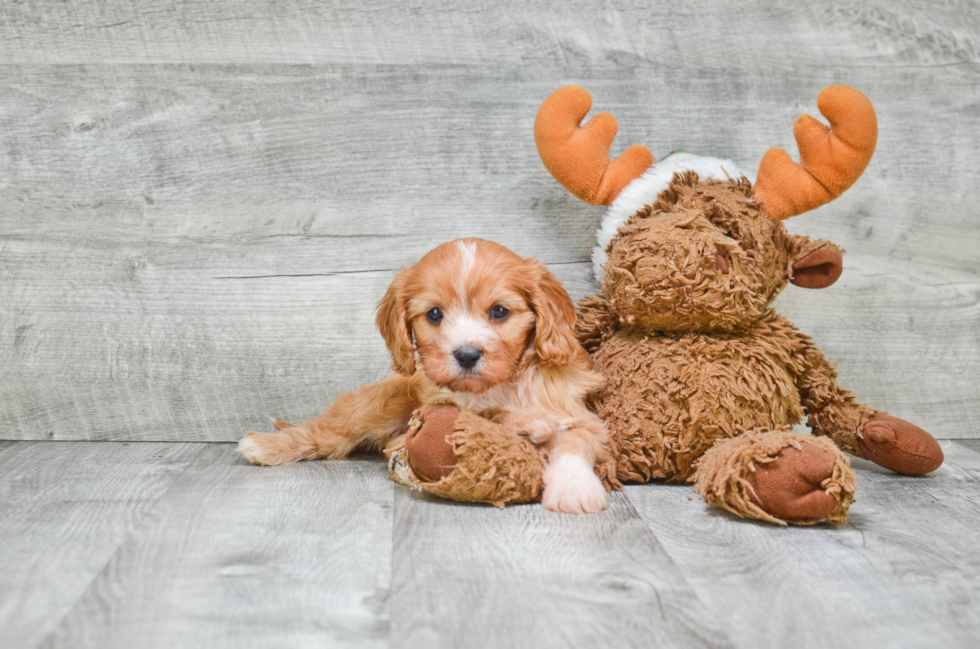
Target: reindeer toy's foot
[(778, 476), (782, 477), (900, 446), (458, 455)]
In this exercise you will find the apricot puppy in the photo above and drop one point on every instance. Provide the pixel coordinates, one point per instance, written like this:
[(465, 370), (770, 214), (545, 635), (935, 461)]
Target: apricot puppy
[(475, 325)]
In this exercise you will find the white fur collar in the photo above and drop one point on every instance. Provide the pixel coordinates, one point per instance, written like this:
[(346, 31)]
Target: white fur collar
[(644, 190)]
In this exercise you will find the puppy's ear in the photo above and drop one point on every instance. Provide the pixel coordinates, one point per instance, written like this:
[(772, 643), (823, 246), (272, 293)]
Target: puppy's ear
[(392, 321), (554, 326)]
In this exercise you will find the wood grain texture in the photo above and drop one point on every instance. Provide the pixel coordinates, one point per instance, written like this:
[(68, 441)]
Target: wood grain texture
[(903, 572), (475, 576), (188, 249), (201, 203), (111, 545), (698, 34), (972, 444), (64, 510), (241, 556)]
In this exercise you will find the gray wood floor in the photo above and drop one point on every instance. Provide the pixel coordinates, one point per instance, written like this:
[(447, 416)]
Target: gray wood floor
[(110, 545), (200, 204)]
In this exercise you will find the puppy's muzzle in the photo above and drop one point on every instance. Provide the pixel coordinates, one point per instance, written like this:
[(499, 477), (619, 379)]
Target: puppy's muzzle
[(467, 357)]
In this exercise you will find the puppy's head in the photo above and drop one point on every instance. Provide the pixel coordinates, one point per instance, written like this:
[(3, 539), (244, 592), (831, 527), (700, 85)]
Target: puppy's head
[(476, 312)]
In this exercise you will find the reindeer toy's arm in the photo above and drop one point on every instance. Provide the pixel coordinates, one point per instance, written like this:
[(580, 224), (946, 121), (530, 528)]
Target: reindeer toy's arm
[(831, 160), (858, 429)]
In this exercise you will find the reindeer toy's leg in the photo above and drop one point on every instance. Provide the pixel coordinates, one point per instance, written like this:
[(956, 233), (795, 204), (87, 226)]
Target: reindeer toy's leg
[(783, 477), (456, 454), (778, 476), (459, 455)]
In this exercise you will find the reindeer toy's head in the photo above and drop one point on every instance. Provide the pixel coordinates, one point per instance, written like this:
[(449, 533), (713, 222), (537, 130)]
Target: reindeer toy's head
[(692, 243)]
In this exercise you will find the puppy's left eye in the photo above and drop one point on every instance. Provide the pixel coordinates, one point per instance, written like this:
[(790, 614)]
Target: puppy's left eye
[(498, 312), (434, 315)]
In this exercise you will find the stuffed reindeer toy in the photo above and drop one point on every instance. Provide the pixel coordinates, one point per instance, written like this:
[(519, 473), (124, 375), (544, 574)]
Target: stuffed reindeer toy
[(703, 378)]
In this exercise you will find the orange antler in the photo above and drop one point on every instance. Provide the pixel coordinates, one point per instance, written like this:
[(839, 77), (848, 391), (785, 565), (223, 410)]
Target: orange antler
[(578, 157), (831, 160)]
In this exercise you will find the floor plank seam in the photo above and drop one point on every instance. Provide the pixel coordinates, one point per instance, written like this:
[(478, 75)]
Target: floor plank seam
[(677, 564), (136, 526)]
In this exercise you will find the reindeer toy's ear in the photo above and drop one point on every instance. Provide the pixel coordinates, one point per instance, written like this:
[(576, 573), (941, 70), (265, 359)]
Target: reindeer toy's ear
[(818, 268)]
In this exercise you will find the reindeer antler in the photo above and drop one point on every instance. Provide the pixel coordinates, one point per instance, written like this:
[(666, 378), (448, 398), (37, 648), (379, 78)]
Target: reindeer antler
[(831, 160), (578, 157)]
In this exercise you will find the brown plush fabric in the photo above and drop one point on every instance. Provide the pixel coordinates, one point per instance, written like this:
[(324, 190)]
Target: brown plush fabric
[(430, 444), (789, 487), (596, 322), (492, 466), (719, 386), (577, 157), (694, 357), (663, 273), (831, 160), (900, 446), (488, 464), (670, 397), (801, 491), (832, 410)]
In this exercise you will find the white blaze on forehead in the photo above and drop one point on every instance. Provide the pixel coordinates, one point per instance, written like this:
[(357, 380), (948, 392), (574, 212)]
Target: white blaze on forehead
[(468, 248), (468, 251)]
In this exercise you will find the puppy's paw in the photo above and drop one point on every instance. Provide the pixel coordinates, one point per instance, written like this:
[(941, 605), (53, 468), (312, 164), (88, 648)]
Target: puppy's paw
[(571, 486), (251, 447), (271, 449), (543, 430), (538, 427)]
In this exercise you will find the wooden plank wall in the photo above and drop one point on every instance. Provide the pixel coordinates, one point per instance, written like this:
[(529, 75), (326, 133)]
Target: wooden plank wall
[(200, 203)]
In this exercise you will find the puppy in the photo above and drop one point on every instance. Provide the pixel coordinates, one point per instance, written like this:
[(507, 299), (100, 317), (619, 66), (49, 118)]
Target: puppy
[(476, 325)]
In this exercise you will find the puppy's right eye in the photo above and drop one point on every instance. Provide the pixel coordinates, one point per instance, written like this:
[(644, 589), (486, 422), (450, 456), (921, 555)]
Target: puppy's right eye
[(434, 315)]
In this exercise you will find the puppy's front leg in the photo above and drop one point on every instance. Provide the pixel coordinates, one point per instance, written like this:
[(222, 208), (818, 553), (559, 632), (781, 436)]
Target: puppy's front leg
[(367, 417), (570, 482)]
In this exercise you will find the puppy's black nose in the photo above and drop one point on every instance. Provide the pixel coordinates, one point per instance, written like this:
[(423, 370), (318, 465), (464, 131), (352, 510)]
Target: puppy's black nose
[(467, 356)]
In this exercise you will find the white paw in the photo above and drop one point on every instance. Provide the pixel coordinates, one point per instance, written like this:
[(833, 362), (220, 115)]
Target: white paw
[(250, 449), (571, 486)]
